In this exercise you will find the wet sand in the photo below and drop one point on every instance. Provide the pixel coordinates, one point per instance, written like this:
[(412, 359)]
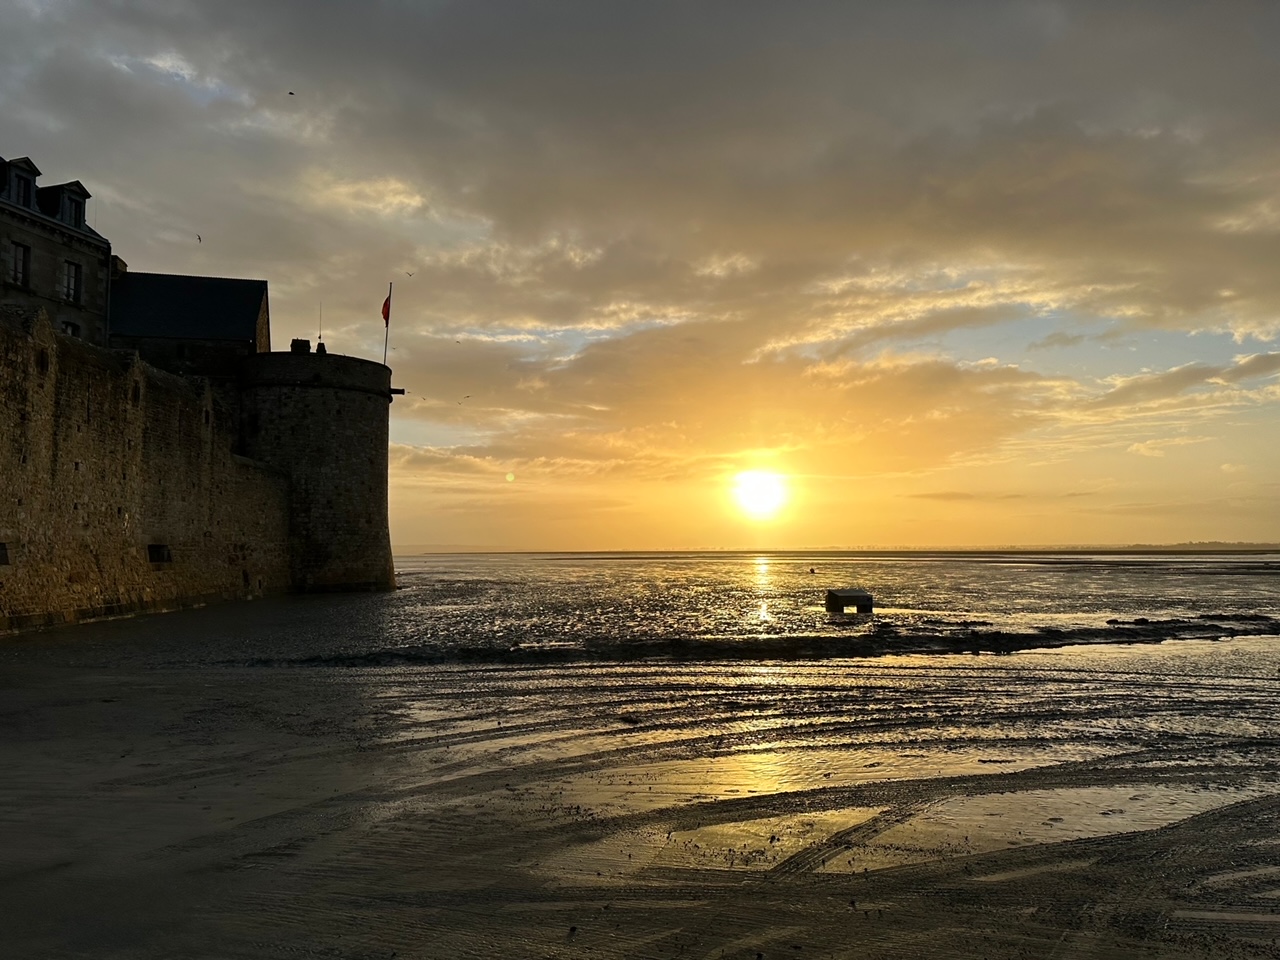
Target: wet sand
[(1118, 805)]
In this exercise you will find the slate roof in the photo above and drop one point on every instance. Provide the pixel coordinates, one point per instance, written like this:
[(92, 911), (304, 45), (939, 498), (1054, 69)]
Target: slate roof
[(187, 308), (22, 163), (49, 199)]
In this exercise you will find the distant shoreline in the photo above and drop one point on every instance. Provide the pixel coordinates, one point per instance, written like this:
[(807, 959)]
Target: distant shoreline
[(1180, 549)]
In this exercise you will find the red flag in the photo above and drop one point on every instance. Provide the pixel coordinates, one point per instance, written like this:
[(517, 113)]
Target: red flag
[(386, 311)]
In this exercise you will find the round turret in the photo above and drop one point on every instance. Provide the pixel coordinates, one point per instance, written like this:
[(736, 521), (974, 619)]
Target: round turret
[(322, 419)]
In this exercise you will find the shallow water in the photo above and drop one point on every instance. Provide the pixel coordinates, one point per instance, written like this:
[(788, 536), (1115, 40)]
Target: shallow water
[(627, 601), (542, 608)]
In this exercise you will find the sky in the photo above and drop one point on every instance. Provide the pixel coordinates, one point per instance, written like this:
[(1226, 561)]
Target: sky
[(954, 273)]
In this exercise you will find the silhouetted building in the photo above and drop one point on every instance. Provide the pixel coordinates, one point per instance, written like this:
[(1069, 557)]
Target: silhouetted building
[(154, 452), (189, 325), (49, 256)]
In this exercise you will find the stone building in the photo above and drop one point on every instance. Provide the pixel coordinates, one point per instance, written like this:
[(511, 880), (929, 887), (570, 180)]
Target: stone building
[(154, 451), (49, 256)]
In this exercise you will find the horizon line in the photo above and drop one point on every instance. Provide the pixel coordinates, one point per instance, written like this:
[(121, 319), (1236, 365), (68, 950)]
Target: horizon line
[(1190, 546)]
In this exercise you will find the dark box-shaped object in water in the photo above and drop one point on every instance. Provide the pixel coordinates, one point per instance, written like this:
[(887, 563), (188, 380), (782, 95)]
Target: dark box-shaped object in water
[(854, 597)]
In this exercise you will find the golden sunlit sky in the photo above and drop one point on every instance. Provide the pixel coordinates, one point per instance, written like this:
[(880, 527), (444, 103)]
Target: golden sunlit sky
[(931, 273)]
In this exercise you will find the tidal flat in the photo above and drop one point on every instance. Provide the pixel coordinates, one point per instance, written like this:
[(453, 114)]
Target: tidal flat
[(170, 792)]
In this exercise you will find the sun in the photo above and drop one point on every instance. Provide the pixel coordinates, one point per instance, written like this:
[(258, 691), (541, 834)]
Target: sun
[(759, 493)]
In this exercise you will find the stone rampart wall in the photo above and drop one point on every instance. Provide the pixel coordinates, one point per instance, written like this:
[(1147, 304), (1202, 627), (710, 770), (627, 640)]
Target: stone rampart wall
[(323, 418), (119, 487)]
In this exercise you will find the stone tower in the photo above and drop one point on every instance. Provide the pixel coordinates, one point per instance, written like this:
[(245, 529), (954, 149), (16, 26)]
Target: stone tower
[(322, 420)]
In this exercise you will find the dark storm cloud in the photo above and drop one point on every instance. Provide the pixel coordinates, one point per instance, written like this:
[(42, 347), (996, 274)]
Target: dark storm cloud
[(1040, 132)]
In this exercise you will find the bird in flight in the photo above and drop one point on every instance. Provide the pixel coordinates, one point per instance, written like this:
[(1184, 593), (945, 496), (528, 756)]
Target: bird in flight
[(198, 240), (291, 93), (408, 274)]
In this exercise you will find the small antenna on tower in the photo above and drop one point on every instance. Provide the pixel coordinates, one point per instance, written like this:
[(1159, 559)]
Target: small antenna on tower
[(321, 329)]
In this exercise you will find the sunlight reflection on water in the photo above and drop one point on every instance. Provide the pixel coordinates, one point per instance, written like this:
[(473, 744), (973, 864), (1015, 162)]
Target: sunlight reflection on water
[(627, 600)]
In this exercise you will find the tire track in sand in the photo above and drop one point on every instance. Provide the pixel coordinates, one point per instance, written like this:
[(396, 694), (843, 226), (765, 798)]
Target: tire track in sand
[(815, 855)]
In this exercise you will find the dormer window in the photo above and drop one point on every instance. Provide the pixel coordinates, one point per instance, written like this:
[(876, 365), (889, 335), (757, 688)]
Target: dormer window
[(75, 211), (22, 190)]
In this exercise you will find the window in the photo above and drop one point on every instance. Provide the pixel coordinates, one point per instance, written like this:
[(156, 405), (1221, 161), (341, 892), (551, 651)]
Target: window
[(75, 212), (159, 553), (71, 286), (20, 269), (22, 191), (4, 554)]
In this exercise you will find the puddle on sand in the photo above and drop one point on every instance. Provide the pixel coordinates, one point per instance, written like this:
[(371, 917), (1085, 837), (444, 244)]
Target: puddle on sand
[(759, 844), (642, 787), (984, 824), (756, 844)]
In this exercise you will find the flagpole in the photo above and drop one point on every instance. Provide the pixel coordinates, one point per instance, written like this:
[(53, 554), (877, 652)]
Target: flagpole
[(386, 337)]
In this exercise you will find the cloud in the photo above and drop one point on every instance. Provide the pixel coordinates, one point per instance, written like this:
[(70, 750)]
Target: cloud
[(1156, 448), (1250, 367), (1058, 339), (385, 196), (950, 496), (765, 138), (654, 241), (1148, 388)]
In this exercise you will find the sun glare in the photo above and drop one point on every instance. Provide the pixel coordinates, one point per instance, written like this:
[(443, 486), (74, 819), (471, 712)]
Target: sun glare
[(759, 494)]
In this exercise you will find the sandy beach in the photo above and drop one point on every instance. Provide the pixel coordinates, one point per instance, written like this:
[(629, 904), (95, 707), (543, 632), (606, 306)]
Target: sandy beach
[(1100, 802)]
